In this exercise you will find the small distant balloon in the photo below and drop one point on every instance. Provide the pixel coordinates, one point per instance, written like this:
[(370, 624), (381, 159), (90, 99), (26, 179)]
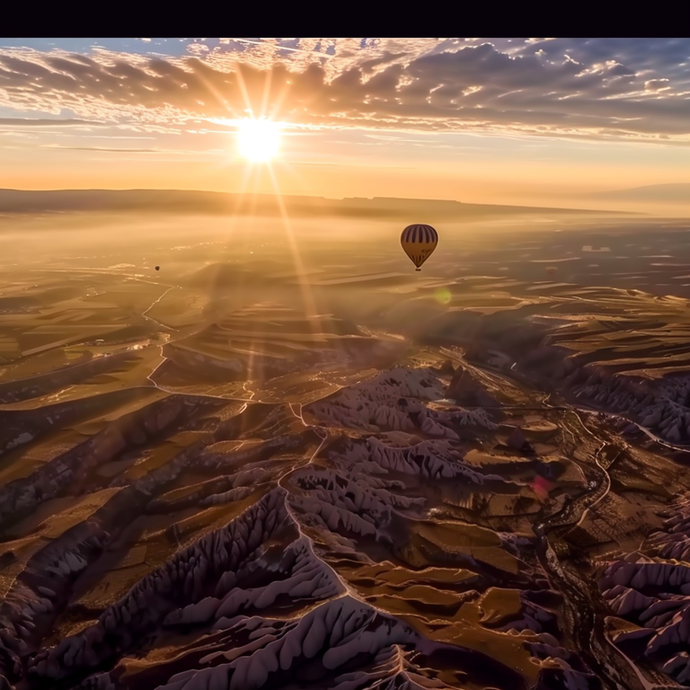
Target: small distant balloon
[(158, 268), (551, 270), (419, 242)]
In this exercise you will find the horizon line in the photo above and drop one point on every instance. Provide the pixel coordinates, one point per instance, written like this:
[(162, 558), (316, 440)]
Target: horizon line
[(311, 196)]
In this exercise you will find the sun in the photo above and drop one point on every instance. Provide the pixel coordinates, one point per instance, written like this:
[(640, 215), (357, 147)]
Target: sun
[(258, 140)]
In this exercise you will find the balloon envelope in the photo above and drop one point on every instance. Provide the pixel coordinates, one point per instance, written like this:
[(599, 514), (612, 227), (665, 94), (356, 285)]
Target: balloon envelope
[(418, 242), (158, 268)]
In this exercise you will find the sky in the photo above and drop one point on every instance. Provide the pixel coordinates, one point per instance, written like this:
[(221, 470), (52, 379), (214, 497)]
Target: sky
[(533, 121)]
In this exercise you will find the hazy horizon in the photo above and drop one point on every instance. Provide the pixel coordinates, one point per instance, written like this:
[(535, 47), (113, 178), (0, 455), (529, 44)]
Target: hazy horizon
[(652, 201), (69, 200)]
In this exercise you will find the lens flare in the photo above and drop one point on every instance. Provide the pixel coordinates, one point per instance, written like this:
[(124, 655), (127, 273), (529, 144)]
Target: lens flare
[(541, 487), (443, 296)]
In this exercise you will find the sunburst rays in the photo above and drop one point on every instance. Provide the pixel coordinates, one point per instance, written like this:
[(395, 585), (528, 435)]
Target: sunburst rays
[(271, 99)]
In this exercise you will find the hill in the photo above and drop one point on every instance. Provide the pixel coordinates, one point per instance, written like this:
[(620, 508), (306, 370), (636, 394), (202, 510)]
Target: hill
[(678, 193), (14, 201)]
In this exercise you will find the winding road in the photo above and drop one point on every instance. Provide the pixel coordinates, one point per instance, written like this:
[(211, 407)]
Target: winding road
[(583, 603), (582, 600)]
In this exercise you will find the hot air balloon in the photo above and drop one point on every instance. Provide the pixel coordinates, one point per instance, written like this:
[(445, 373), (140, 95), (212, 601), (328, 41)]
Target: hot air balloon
[(158, 268), (418, 242), (551, 270)]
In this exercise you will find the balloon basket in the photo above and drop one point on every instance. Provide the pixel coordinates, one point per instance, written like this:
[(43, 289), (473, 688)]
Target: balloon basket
[(417, 269)]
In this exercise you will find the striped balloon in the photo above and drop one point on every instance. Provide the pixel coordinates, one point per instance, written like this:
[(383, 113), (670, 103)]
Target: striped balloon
[(418, 242)]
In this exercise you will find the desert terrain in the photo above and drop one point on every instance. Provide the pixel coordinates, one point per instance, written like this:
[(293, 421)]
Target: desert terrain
[(285, 460)]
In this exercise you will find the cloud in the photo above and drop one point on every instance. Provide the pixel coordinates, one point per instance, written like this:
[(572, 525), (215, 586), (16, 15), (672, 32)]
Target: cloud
[(101, 149), (621, 89), (46, 122), (656, 85), (158, 151), (353, 165)]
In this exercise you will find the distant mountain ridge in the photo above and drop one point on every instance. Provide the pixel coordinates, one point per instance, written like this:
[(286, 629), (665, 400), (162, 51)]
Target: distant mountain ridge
[(16, 201), (667, 193)]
